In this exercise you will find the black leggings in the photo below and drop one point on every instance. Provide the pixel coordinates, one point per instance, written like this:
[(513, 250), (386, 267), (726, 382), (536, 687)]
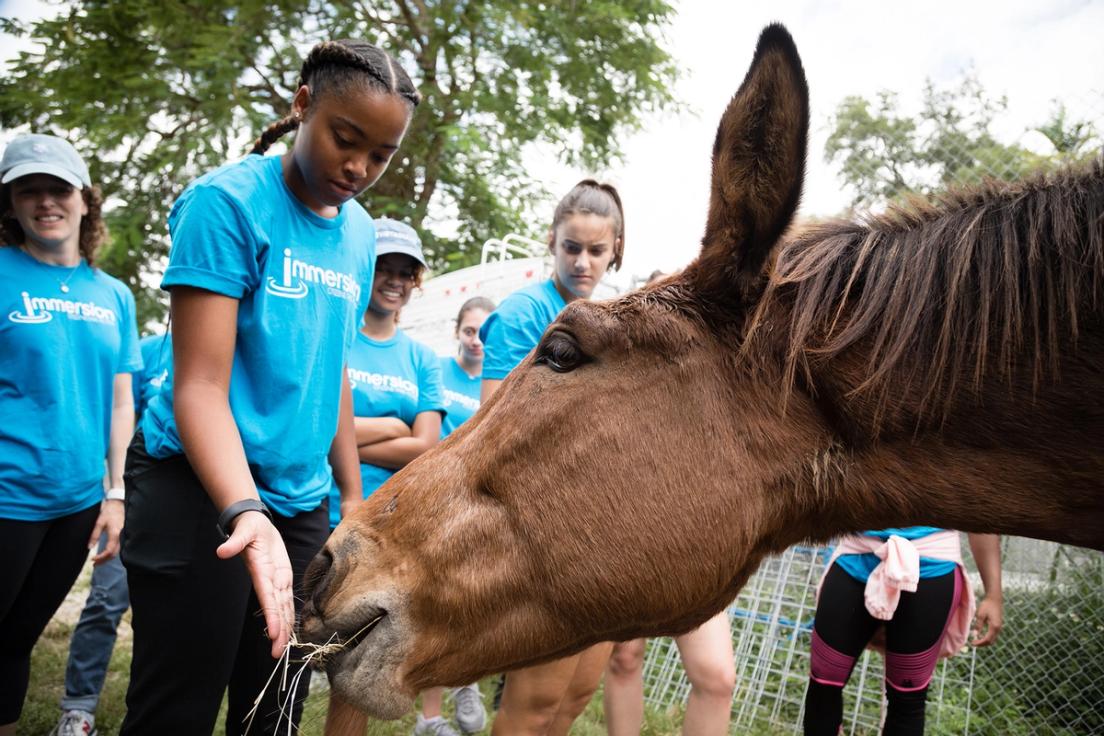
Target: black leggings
[(39, 561), (842, 629), (197, 624)]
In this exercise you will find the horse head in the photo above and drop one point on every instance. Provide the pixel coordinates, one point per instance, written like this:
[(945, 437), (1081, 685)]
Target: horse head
[(495, 549), (628, 477)]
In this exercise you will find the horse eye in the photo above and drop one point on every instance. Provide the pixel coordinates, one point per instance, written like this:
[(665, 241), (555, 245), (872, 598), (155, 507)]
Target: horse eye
[(560, 353)]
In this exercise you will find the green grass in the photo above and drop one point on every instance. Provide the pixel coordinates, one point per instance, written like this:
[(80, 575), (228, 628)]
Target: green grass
[(40, 710)]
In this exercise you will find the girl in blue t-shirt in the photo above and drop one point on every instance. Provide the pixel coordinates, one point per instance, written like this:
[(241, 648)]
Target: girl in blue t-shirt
[(268, 259), (70, 342), (398, 399), (462, 373), (586, 239)]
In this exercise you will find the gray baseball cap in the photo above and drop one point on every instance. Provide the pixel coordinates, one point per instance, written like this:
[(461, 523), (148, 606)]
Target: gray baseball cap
[(393, 236), (44, 154)]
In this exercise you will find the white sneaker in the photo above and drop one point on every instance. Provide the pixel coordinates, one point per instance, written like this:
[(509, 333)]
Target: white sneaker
[(436, 726), (75, 723), (471, 714)]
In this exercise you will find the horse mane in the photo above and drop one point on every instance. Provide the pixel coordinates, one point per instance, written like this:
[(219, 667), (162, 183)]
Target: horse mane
[(943, 292)]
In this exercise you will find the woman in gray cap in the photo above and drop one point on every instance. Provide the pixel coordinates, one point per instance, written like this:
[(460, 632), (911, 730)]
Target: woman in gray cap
[(70, 343)]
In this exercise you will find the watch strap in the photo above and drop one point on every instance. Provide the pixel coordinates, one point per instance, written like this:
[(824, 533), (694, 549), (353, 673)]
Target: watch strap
[(236, 509)]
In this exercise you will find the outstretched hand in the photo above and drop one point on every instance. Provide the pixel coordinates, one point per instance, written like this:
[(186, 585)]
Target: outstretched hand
[(262, 549), (988, 621)]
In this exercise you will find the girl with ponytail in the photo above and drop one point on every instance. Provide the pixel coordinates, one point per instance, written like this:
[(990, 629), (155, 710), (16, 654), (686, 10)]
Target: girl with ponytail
[(229, 474), (586, 239)]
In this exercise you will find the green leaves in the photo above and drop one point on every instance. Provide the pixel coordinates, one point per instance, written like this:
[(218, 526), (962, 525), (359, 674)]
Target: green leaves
[(884, 154), (155, 93)]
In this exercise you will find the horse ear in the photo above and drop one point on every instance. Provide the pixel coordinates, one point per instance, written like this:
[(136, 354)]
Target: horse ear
[(758, 169)]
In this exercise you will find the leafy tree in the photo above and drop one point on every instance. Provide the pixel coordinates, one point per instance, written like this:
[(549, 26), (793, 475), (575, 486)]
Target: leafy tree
[(884, 154), (154, 93), (1070, 138)]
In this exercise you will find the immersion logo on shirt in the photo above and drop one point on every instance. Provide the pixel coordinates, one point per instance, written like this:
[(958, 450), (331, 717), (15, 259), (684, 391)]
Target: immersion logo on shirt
[(39, 310), (297, 274), (455, 397), (383, 382)]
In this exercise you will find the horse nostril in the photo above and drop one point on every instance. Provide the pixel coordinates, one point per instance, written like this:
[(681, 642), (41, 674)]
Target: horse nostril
[(317, 578)]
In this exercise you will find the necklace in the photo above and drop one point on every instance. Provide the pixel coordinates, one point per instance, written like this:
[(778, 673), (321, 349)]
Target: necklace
[(64, 284)]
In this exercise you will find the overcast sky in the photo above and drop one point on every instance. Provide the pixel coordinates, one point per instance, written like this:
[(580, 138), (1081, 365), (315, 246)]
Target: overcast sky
[(1030, 50), (1033, 51)]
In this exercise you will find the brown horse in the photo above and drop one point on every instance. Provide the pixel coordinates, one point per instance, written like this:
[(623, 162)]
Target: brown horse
[(940, 364)]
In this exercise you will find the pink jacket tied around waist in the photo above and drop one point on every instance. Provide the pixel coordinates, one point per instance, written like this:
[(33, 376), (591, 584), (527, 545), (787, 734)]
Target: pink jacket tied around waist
[(899, 571)]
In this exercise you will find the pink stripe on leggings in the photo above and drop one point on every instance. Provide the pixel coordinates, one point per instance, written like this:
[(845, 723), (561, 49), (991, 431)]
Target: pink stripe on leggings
[(829, 666), (911, 672)]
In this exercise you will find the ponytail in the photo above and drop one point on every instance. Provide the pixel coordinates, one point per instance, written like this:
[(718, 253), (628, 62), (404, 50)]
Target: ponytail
[(591, 197)]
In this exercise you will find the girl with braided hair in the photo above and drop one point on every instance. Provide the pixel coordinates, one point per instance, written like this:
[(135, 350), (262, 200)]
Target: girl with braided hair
[(229, 475)]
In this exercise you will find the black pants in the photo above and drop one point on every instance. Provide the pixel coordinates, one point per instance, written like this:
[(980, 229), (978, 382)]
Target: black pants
[(198, 628), (843, 623), (39, 561)]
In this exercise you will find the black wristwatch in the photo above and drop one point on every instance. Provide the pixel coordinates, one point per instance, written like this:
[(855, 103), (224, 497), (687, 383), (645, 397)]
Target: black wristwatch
[(235, 510)]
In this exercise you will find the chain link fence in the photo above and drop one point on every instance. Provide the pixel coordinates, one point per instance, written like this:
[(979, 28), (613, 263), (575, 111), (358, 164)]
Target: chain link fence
[(1045, 675)]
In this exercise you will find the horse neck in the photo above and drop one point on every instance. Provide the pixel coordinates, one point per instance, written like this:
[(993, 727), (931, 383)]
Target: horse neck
[(1022, 461)]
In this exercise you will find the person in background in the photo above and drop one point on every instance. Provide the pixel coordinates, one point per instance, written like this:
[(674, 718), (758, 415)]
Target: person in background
[(398, 399), (229, 477), (907, 589), (462, 373), (707, 658), (70, 344), (586, 239), (108, 599)]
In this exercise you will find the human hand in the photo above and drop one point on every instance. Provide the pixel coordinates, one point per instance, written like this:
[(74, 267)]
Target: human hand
[(988, 621), (262, 549), (110, 520)]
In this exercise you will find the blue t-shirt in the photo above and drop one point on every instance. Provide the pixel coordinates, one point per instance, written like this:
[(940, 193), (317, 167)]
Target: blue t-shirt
[(156, 369), (59, 354), (398, 377), (860, 566), (302, 281), (516, 326), (461, 395)]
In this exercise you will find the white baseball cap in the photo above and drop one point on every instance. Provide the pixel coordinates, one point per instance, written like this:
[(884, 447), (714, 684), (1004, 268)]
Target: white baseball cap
[(44, 154), (393, 236)]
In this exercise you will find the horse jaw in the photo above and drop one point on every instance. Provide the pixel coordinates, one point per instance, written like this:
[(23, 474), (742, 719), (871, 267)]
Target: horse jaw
[(368, 620)]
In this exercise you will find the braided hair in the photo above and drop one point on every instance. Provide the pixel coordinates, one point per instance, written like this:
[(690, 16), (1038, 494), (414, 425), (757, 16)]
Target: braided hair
[(590, 197), (335, 66)]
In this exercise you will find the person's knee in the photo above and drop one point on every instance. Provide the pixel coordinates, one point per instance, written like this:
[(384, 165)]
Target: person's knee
[(913, 701), (627, 660), (534, 706), (828, 665), (574, 703), (532, 716), (713, 678), (905, 710)]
